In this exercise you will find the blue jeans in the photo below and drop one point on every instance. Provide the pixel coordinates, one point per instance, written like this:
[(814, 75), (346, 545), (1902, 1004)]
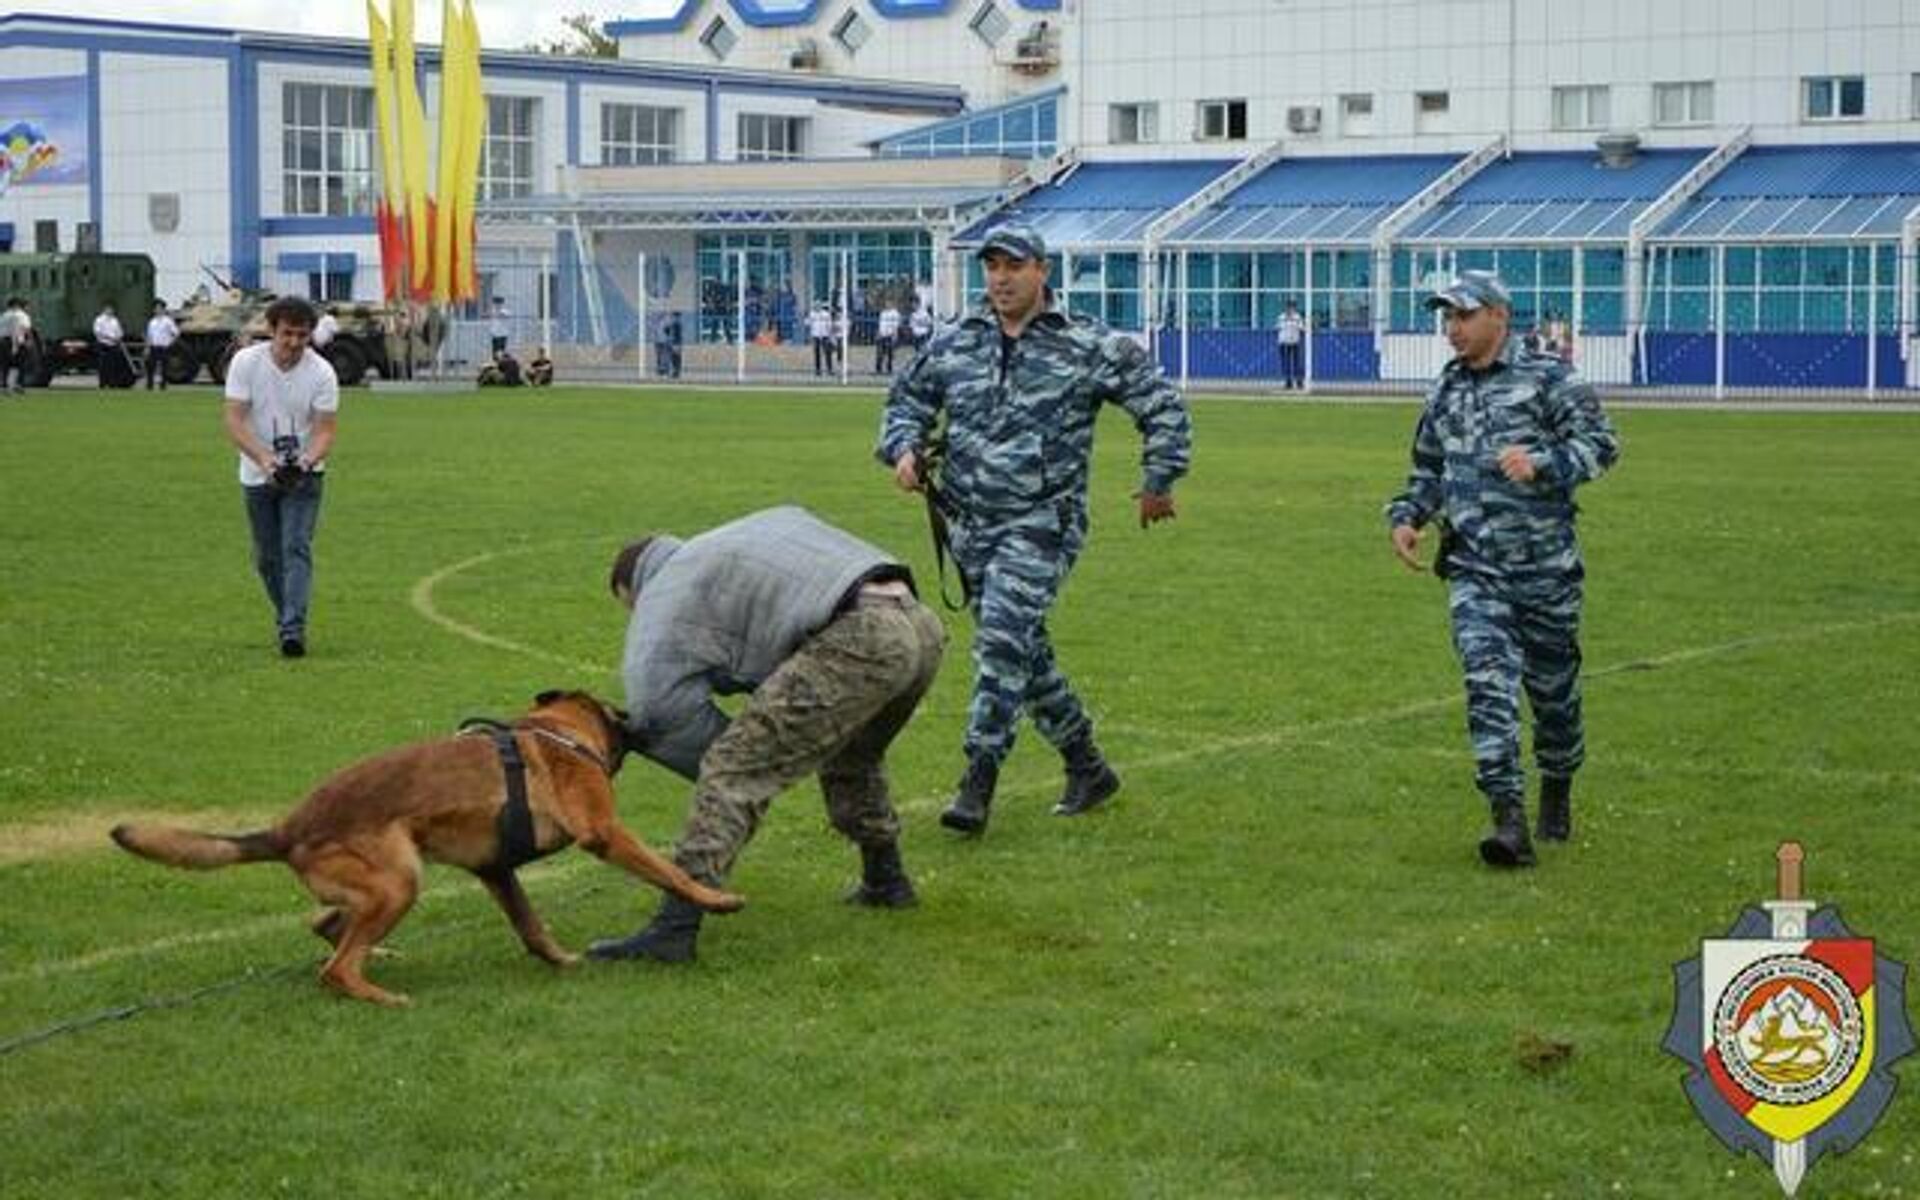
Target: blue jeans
[(283, 521)]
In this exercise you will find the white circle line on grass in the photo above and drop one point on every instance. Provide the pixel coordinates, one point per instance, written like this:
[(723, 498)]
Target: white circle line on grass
[(420, 598), (924, 803)]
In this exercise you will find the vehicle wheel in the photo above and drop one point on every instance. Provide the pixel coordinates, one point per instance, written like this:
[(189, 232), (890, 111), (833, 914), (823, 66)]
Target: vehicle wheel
[(181, 365), (349, 362)]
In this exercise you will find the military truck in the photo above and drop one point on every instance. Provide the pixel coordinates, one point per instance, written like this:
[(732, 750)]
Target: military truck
[(212, 331), (65, 292)]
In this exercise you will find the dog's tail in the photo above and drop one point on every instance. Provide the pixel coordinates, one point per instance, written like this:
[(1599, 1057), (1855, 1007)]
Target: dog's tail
[(199, 851)]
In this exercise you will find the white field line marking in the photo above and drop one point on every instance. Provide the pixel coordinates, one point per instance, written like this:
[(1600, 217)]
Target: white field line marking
[(928, 802), (421, 599), (262, 926)]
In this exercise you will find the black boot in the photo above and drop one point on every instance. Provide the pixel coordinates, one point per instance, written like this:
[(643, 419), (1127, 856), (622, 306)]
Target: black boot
[(1508, 845), (1090, 781), (968, 811), (883, 881), (1556, 810), (668, 938)]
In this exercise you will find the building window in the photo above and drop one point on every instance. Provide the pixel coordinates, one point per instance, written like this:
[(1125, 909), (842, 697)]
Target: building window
[(989, 24), (1029, 129), (765, 137), (851, 32), (327, 147), (1683, 103), (1580, 107), (719, 38), (1834, 98), (1356, 115), (506, 161), (638, 135), (1432, 112), (1129, 124), (1221, 120)]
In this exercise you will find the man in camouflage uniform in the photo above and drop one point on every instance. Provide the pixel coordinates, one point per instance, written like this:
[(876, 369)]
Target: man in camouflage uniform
[(824, 631), (1019, 383), (1505, 437)]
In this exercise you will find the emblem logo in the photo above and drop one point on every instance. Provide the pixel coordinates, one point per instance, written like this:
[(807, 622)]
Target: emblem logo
[(1791, 1025)]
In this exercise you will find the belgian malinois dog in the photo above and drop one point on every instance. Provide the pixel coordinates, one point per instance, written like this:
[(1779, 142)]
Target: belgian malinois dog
[(358, 841)]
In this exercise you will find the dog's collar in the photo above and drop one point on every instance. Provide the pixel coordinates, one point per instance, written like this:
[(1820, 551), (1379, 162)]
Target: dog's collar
[(581, 748)]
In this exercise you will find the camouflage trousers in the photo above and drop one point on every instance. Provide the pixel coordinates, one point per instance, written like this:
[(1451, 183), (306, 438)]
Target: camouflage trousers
[(833, 708), (1513, 636), (1014, 572)]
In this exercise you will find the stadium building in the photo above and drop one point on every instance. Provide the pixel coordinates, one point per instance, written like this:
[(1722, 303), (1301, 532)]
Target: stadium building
[(1681, 195)]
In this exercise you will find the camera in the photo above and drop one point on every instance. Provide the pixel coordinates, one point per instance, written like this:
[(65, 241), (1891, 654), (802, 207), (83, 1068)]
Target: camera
[(287, 471)]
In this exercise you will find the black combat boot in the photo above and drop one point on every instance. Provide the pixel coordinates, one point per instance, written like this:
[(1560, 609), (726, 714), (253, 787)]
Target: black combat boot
[(883, 881), (1508, 845), (668, 938), (1090, 781), (968, 811), (1556, 810)]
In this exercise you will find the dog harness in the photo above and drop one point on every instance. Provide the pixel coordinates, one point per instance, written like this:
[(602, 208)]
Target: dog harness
[(513, 826)]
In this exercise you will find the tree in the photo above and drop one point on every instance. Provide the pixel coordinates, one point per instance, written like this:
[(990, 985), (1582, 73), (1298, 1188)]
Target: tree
[(584, 39)]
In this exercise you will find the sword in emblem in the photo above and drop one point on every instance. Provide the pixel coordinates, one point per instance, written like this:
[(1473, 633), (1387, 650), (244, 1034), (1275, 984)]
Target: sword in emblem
[(1789, 913)]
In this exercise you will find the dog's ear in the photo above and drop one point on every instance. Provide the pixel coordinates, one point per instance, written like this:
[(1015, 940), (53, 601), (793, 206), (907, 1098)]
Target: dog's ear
[(546, 698)]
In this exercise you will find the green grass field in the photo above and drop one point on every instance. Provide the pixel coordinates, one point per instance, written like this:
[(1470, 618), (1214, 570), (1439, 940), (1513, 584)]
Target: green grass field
[(1272, 968)]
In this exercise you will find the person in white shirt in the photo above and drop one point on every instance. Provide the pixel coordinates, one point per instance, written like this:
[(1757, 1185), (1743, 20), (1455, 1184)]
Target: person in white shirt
[(820, 332), (282, 401), (16, 346), (324, 331), (885, 335), (109, 355), (162, 333), (1292, 334), (920, 325), (499, 326)]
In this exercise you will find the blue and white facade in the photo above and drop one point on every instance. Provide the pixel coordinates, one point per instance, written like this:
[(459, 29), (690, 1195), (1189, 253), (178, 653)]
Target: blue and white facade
[(1753, 222)]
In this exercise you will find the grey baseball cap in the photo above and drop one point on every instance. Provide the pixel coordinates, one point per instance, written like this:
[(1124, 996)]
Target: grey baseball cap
[(1016, 240), (1470, 290)]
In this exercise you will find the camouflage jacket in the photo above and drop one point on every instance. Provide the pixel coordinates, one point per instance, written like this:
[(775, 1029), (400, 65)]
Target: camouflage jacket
[(1524, 399), (1019, 435)]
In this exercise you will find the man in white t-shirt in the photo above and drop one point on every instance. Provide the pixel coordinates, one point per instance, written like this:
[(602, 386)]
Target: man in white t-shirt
[(885, 335), (324, 331), (162, 333), (499, 326), (920, 325), (281, 404), (16, 346), (109, 353), (1292, 336), (820, 333)]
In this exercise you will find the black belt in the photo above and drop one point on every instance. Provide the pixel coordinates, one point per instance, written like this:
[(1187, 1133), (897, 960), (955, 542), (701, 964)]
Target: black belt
[(513, 826)]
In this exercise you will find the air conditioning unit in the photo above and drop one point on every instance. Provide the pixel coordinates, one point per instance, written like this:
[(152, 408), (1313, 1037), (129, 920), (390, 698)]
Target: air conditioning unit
[(1303, 118), (805, 55), (1037, 51)]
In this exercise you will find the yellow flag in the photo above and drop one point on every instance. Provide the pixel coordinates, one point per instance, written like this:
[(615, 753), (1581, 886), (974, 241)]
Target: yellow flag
[(472, 142), (413, 145), (392, 199), (453, 100)]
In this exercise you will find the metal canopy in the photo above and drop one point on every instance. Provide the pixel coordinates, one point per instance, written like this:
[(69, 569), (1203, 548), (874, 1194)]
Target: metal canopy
[(1312, 201), (1803, 194), (904, 208)]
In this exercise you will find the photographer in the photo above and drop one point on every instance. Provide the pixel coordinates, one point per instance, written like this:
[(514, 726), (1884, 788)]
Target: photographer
[(281, 404)]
